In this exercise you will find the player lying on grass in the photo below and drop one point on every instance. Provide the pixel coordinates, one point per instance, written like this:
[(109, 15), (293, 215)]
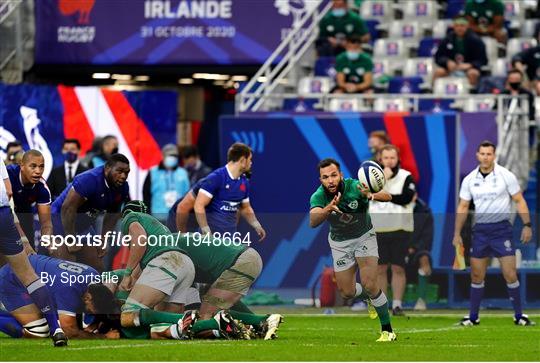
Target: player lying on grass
[(229, 269), (71, 286)]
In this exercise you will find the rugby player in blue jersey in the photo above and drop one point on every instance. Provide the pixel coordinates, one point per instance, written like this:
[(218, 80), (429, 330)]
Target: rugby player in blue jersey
[(74, 288), (29, 190), (224, 192), (11, 247), (101, 190)]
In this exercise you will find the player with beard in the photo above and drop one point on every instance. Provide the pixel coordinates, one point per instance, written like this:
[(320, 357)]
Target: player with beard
[(352, 239), (101, 190), (224, 192)]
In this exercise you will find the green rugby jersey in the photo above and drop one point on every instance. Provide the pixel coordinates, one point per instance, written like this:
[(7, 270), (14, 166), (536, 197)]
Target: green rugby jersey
[(159, 238), (355, 220)]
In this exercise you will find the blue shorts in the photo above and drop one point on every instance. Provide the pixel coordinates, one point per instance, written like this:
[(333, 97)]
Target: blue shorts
[(10, 239), (12, 292), (492, 240)]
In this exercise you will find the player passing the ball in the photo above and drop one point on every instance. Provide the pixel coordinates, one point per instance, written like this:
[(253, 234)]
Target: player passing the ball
[(344, 204)]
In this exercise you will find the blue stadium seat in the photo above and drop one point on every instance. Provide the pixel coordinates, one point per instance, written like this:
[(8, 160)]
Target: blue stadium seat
[(435, 105), (428, 47), (454, 7), (325, 67), (299, 104), (405, 85), (372, 27)]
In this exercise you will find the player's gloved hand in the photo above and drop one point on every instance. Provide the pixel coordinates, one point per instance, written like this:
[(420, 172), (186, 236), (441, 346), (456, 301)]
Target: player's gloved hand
[(526, 234), (112, 334), (457, 241)]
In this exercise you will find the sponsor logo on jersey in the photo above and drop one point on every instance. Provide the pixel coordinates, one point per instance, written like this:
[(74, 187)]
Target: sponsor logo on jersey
[(341, 262)]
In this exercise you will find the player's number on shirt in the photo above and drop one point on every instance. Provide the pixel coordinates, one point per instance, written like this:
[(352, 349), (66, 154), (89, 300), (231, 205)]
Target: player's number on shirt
[(71, 267)]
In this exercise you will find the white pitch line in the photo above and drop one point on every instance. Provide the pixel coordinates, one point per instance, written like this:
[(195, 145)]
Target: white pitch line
[(434, 315)]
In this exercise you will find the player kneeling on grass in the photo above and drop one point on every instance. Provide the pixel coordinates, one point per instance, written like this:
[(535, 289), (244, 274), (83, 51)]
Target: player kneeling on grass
[(210, 261), (352, 238), (72, 286)]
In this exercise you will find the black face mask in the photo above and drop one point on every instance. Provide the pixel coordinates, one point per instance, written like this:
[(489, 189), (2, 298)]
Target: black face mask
[(114, 151), (515, 85)]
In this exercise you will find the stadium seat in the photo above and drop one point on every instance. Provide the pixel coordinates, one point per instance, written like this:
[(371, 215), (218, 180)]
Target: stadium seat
[(428, 47), (500, 67), (382, 67), (528, 27), (372, 25), (346, 105), (435, 105), (453, 8), (419, 67), (405, 85), (492, 49), (380, 10), (451, 86), (440, 28), (390, 48), (516, 45), (314, 85), (425, 11), (514, 12), (325, 67), (387, 104), (479, 104), (409, 31)]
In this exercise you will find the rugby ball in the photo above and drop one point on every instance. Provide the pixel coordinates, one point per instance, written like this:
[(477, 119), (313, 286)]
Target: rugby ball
[(371, 177)]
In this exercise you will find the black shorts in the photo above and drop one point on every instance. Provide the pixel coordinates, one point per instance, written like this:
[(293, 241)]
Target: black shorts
[(393, 247)]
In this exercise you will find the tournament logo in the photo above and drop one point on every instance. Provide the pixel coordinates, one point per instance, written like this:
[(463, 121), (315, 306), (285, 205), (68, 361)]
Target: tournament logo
[(83, 7), (81, 33), (297, 9)]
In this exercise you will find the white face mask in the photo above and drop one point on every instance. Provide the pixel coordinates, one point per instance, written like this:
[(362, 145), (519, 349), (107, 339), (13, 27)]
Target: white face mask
[(170, 162)]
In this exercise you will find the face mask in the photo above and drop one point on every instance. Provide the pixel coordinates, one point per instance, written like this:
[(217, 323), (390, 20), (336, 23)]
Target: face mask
[(114, 151), (339, 12), (170, 162), (515, 85), (480, 1), (70, 157), (353, 55)]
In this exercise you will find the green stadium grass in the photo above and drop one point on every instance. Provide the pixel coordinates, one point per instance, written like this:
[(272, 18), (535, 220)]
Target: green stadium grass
[(337, 337)]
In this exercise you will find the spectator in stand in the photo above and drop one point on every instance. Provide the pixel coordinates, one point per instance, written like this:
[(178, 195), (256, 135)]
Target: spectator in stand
[(62, 175), (462, 53), (86, 161), (14, 152), (165, 183), (486, 18), (339, 24), (514, 87), (528, 62), (193, 164), (354, 69), (109, 146), (377, 139)]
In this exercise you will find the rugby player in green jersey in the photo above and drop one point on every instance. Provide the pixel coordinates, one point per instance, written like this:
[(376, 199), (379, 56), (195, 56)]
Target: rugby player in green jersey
[(230, 269), (352, 239)]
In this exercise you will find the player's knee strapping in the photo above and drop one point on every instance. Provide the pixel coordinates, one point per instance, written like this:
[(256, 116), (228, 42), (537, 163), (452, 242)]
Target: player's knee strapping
[(38, 328), (130, 313)]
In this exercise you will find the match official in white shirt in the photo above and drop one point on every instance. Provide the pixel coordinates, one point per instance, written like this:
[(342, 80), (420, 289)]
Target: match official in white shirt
[(492, 188)]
